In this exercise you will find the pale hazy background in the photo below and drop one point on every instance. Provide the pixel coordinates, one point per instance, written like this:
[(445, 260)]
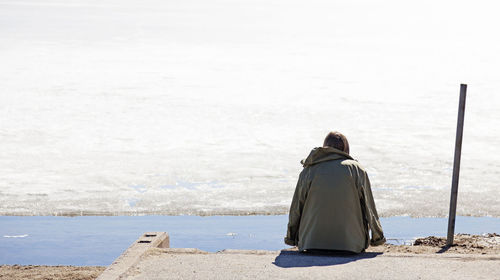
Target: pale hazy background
[(206, 107)]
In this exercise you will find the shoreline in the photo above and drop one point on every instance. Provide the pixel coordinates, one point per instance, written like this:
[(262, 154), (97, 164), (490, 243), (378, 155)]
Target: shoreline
[(203, 214)]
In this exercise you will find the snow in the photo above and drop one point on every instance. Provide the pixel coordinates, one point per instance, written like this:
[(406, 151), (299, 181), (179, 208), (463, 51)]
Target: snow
[(206, 107)]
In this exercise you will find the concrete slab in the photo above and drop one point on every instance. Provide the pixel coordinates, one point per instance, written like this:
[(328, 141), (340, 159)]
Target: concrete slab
[(171, 263)]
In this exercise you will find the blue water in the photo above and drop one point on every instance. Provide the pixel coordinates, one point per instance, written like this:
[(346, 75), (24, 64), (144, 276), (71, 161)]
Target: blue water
[(98, 240)]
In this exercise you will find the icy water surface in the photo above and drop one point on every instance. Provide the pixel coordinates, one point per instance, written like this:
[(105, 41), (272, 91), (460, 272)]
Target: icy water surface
[(206, 107), (100, 240)]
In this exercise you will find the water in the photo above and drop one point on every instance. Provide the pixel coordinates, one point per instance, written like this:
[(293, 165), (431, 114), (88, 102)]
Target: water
[(98, 240), (206, 107)]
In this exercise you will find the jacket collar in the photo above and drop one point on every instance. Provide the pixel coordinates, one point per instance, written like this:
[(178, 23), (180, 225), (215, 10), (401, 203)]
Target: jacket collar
[(321, 154)]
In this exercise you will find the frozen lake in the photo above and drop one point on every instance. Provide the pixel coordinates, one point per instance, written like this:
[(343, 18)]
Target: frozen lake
[(206, 107)]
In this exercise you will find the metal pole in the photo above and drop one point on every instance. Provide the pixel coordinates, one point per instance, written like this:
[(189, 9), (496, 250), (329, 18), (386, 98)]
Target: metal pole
[(456, 165)]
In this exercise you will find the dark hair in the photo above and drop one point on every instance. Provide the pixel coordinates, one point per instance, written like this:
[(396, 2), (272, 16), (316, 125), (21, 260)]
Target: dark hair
[(337, 140)]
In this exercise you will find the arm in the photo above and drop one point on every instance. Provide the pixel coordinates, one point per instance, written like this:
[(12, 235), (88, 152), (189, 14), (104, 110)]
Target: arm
[(371, 214), (296, 208)]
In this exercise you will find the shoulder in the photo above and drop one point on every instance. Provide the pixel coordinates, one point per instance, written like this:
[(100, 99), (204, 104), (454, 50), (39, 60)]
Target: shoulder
[(355, 165), (352, 162), (306, 171)]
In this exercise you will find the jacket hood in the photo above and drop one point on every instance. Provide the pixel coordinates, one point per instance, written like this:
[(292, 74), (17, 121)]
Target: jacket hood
[(321, 154)]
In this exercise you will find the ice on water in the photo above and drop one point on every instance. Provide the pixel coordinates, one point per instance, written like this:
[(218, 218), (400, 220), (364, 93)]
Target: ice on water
[(206, 107)]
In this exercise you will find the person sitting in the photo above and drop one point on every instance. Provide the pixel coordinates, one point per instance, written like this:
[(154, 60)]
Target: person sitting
[(333, 206)]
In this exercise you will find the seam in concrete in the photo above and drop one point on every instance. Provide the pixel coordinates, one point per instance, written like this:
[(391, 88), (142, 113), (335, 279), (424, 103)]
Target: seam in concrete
[(248, 252), (440, 256)]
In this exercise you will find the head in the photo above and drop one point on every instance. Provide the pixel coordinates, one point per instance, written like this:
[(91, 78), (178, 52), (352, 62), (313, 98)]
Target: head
[(336, 140)]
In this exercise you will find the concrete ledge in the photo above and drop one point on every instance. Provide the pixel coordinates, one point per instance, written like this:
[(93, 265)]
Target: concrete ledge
[(134, 253), (253, 265), (150, 257)]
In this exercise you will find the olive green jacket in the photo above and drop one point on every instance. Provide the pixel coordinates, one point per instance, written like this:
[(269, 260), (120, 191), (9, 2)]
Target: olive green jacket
[(333, 207)]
